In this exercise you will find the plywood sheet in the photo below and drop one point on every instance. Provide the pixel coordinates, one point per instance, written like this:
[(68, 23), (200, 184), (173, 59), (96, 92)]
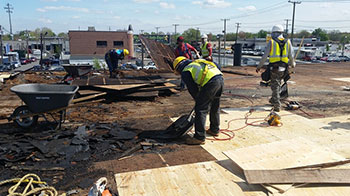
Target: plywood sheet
[(121, 87), (298, 176), (282, 154), (206, 178)]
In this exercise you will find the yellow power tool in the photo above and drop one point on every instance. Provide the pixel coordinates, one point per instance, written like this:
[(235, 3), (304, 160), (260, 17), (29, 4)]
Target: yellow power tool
[(274, 119)]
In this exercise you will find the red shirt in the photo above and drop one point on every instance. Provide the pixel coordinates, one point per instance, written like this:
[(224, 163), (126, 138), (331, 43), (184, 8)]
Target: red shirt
[(181, 51), (210, 49)]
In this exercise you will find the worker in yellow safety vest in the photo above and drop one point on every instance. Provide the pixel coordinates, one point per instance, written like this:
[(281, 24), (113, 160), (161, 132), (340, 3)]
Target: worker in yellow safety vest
[(206, 49), (205, 83), (280, 52)]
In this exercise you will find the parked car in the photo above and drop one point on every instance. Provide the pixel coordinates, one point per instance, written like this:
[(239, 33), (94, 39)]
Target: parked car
[(23, 61), (333, 59), (33, 59), (324, 58), (344, 58), (150, 65), (129, 66)]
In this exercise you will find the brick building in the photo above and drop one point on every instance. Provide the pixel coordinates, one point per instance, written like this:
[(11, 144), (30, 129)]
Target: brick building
[(94, 44)]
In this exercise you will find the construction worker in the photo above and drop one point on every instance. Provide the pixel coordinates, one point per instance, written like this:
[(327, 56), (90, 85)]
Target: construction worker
[(280, 52), (206, 49), (205, 84), (112, 57), (184, 49)]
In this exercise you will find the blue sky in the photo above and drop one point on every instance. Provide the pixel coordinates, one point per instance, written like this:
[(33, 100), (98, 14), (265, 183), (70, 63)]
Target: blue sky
[(64, 15)]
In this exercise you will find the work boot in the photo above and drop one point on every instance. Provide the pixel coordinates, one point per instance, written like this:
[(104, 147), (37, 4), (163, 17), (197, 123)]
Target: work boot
[(212, 133), (194, 141)]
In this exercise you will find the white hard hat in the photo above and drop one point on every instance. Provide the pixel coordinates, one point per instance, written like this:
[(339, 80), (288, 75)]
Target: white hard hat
[(204, 36), (278, 28)]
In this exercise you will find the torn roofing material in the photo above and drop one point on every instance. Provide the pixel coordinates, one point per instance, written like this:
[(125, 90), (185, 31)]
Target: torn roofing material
[(162, 55)]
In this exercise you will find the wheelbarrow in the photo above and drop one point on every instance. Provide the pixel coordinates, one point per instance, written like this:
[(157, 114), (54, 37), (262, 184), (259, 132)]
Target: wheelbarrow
[(40, 99), (77, 70)]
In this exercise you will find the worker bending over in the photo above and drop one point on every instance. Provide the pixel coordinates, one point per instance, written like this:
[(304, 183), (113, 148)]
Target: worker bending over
[(280, 52), (205, 83), (112, 57), (206, 49)]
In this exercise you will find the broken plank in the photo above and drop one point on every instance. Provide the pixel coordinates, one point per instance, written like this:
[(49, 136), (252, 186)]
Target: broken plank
[(88, 97), (32, 168), (298, 176), (121, 87)]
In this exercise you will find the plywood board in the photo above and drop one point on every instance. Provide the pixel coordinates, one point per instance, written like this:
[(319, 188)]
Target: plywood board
[(282, 154), (121, 87), (317, 190), (206, 178), (342, 79), (298, 176)]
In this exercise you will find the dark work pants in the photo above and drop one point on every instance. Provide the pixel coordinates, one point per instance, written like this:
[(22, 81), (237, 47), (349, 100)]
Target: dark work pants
[(112, 65), (209, 96)]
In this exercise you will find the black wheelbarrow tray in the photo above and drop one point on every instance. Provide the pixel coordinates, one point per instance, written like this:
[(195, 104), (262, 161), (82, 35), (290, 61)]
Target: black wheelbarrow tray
[(40, 99), (77, 70)]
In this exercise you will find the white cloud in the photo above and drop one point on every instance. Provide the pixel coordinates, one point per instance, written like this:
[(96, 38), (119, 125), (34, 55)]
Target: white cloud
[(156, 12), (116, 17), (212, 3), (249, 8), (62, 8), (76, 17), (184, 17), (326, 5), (145, 1), (40, 10), (45, 20), (166, 5)]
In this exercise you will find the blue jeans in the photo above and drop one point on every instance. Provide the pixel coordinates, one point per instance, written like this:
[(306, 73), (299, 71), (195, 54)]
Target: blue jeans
[(111, 66), (209, 96)]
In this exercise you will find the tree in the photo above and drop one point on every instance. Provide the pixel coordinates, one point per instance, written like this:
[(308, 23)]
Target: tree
[(262, 34), (63, 35), (335, 35), (320, 33), (304, 33), (191, 34)]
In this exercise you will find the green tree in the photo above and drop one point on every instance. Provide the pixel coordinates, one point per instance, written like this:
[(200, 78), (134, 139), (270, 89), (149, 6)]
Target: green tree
[(303, 33), (63, 35), (335, 35), (231, 36), (191, 34), (320, 33), (262, 34)]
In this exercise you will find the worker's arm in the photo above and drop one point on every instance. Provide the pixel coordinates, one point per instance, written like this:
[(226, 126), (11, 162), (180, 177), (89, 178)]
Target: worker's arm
[(291, 61), (190, 47), (264, 57), (210, 49), (191, 85)]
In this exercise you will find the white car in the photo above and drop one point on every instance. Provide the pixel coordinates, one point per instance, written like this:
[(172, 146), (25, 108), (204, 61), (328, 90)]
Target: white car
[(150, 65)]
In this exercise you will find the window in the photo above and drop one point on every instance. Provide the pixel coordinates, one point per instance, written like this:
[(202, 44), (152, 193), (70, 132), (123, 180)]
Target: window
[(118, 43), (101, 43)]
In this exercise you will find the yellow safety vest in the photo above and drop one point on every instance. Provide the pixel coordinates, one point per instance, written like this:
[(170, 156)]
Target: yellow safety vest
[(204, 50), (275, 52), (202, 71)]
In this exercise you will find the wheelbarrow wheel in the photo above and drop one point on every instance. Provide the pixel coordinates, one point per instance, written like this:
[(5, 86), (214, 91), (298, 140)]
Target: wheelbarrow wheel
[(24, 122)]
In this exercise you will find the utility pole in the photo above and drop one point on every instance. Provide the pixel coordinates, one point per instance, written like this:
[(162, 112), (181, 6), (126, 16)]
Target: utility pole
[(287, 25), (237, 24), (41, 48), (175, 25), (0, 45), (294, 3), (197, 35), (224, 31), (27, 36), (9, 9), (157, 28)]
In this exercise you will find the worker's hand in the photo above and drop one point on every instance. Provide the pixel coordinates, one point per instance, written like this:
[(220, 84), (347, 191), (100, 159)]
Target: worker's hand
[(198, 56)]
